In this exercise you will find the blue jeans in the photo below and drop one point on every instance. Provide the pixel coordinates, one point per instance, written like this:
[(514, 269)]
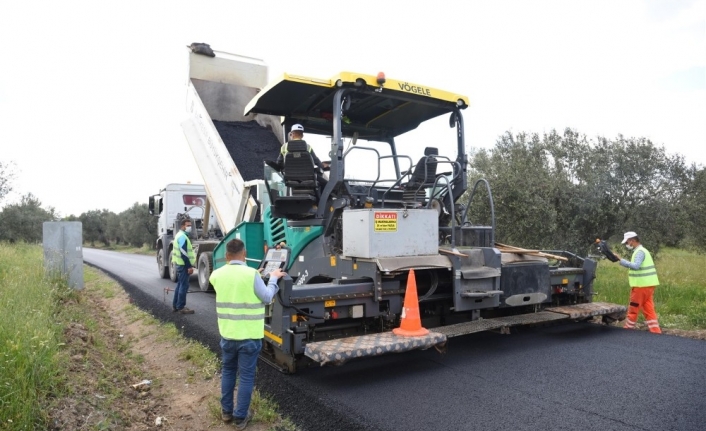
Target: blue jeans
[(238, 357), (181, 288)]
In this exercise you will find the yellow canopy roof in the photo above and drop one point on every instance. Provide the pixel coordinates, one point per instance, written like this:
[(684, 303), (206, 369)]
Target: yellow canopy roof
[(376, 111)]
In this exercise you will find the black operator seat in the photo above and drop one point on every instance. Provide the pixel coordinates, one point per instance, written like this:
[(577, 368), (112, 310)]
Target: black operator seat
[(424, 174), (426, 164), (299, 170)]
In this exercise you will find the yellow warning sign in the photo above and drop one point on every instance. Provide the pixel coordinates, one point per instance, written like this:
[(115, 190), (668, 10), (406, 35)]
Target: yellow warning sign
[(385, 221)]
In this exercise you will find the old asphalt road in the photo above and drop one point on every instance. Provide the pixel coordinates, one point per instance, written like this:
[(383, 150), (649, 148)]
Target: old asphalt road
[(565, 377)]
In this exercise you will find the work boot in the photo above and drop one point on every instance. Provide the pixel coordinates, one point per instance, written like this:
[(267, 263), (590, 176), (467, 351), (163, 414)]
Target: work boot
[(240, 424), (227, 417), (186, 311)]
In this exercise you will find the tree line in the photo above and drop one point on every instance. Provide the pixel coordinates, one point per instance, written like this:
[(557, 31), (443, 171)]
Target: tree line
[(22, 221), (134, 226), (562, 191), (556, 191)]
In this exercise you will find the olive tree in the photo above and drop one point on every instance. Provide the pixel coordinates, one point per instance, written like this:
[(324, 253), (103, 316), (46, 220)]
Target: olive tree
[(692, 216), (95, 226), (564, 190), (23, 221), (522, 188), (137, 226)]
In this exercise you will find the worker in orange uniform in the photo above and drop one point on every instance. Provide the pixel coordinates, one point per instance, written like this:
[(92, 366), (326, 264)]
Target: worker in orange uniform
[(642, 276)]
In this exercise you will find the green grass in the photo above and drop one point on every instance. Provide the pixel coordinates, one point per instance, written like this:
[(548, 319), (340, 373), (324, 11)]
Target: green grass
[(680, 299), (30, 339)]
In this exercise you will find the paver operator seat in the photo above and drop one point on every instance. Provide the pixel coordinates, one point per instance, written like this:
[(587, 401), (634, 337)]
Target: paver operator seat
[(299, 174), (423, 176)]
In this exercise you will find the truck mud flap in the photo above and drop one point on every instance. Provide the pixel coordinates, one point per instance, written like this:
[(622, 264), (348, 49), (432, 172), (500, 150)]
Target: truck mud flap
[(592, 309), (339, 351)]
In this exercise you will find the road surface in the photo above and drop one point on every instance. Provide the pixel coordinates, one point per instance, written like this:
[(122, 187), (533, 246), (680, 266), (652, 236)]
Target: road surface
[(566, 377)]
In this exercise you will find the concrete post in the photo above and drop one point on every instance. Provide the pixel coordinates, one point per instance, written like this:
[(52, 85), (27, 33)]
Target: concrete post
[(63, 250)]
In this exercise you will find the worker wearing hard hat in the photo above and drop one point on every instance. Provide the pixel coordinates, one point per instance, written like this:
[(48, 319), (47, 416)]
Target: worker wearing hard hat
[(642, 276), (296, 135)]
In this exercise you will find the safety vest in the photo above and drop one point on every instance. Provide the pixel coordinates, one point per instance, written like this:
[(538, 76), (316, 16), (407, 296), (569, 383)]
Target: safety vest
[(176, 253), (646, 276), (284, 150), (241, 314)]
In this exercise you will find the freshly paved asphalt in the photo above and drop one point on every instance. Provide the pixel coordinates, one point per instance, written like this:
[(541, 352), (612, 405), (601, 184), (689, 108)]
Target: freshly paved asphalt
[(564, 377)]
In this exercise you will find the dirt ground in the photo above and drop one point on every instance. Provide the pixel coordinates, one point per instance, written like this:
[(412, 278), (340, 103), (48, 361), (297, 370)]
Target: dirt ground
[(180, 397)]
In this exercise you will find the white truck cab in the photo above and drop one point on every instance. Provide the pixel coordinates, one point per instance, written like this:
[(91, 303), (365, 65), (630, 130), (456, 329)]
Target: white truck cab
[(173, 203), (179, 199)]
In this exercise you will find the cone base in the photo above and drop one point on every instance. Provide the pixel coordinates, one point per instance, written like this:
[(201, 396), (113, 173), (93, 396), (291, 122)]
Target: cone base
[(410, 333)]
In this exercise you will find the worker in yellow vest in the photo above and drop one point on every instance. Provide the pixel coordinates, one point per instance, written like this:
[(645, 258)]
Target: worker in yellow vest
[(642, 276), (184, 259), (241, 295)]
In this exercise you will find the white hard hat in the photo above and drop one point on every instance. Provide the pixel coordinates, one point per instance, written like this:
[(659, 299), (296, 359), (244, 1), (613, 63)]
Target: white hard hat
[(297, 127)]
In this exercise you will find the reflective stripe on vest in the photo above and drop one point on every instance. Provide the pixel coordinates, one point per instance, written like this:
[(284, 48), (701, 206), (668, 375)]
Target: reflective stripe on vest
[(241, 314), (284, 150), (646, 276), (176, 253)]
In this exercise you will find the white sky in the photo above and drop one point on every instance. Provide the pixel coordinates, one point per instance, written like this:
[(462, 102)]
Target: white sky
[(92, 93)]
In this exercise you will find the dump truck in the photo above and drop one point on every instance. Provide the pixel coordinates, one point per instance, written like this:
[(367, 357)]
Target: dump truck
[(350, 246)]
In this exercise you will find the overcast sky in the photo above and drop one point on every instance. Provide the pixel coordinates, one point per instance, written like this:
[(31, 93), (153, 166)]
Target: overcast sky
[(92, 93)]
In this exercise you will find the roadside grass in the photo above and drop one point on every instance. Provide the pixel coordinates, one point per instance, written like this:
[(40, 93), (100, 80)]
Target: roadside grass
[(680, 299), (30, 339), (62, 359), (123, 248)]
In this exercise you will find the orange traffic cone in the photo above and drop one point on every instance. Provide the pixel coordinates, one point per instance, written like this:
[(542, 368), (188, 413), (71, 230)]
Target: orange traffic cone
[(411, 325)]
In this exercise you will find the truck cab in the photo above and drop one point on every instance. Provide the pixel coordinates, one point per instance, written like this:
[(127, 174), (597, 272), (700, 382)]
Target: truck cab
[(170, 206)]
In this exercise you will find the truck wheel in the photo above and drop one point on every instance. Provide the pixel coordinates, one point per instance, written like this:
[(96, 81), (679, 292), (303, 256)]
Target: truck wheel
[(161, 267), (205, 270), (172, 268)]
